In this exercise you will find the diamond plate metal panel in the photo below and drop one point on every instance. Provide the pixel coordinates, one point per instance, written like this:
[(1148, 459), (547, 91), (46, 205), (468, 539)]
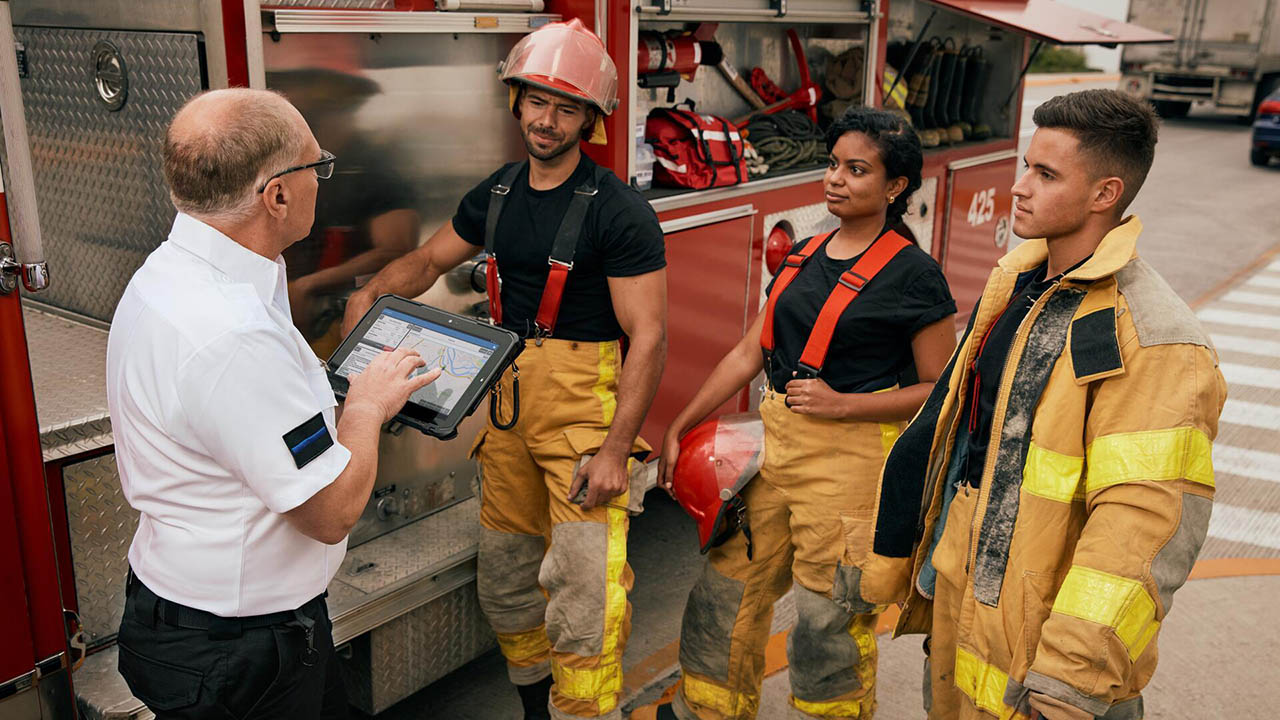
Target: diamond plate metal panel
[(805, 221), (69, 374), (101, 192), (102, 525), (410, 550), (416, 649), (101, 694), (333, 4)]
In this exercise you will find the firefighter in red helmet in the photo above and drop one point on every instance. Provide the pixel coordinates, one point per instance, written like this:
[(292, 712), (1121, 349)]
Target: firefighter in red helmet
[(848, 315), (575, 261)]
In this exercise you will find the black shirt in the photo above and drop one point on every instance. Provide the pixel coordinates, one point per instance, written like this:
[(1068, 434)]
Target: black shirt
[(993, 352), (620, 238), (871, 346)]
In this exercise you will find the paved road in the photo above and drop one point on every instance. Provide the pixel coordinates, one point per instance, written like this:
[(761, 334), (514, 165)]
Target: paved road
[(1210, 220)]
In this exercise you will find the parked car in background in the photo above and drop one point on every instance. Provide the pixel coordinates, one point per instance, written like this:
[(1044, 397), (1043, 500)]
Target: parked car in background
[(1266, 131)]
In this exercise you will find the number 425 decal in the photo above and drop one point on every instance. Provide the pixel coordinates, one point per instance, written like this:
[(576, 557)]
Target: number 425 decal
[(983, 207)]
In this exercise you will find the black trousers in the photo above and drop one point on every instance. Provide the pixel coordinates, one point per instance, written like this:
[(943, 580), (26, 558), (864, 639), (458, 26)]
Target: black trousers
[(281, 666)]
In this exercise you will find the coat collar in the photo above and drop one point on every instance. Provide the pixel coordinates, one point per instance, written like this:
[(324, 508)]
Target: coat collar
[(1115, 251), (234, 260)]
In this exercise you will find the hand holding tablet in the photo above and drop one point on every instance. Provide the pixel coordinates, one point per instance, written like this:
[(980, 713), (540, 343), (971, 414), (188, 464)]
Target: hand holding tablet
[(471, 356)]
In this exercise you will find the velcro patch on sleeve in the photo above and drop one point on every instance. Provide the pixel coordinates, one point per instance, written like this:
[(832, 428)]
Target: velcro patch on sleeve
[(307, 441), (1095, 352)]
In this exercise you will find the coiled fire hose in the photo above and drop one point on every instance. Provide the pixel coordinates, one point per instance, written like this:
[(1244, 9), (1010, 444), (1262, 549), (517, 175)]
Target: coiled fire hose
[(786, 139)]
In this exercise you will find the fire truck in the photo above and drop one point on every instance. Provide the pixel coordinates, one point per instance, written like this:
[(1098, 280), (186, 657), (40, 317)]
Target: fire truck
[(404, 92)]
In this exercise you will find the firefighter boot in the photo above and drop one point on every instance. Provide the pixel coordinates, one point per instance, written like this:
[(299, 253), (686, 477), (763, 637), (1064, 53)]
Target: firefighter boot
[(929, 135), (534, 699), (958, 90), (980, 70), (946, 79)]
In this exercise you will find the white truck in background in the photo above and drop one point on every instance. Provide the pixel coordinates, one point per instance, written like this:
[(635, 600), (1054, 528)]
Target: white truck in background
[(1227, 54)]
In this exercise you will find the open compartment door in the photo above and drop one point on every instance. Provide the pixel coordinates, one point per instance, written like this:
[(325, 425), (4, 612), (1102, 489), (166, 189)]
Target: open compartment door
[(1054, 22)]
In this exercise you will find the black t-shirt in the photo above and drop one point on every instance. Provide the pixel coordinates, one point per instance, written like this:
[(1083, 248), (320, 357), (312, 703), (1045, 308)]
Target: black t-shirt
[(984, 383), (871, 346), (620, 238)]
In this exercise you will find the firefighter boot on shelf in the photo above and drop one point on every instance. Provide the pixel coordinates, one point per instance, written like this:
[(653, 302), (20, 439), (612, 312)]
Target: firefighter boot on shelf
[(929, 135), (958, 90), (979, 73), (946, 80)]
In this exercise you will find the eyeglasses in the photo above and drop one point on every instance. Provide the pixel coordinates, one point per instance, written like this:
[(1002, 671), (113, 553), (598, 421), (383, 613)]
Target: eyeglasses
[(323, 167)]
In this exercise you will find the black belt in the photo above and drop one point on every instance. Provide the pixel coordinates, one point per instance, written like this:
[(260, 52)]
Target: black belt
[(179, 615)]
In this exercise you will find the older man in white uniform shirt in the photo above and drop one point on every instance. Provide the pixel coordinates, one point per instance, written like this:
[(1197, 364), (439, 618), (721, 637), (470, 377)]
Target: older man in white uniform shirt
[(225, 430)]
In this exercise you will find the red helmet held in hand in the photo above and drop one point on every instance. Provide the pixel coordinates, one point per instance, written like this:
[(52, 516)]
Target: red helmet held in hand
[(717, 460)]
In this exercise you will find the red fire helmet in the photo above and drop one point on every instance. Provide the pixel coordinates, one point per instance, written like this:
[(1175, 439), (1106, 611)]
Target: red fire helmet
[(717, 460), (565, 58)]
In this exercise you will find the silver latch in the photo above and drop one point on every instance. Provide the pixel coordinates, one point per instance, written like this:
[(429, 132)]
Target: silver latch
[(35, 276)]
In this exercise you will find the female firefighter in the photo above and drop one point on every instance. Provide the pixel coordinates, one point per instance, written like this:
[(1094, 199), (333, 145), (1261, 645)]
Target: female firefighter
[(848, 314)]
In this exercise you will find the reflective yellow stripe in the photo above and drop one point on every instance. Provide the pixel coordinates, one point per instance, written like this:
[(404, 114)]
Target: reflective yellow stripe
[(1119, 603), (615, 598), (607, 373), (836, 708), (982, 682), (889, 431), (722, 700), (900, 92), (1052, 475), (526, 648), (1183, 452), (600, 685)]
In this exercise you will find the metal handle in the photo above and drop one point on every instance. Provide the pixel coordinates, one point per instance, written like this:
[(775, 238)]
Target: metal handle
[(26, 258)]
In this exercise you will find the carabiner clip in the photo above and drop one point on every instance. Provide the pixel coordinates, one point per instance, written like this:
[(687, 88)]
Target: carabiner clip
[(496, 400)]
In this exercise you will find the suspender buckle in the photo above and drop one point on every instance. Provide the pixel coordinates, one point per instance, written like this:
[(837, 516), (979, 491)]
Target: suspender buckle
[(853, 281), (806, 372), (539, 334), (795, 261), (499, 189), (566, 265)]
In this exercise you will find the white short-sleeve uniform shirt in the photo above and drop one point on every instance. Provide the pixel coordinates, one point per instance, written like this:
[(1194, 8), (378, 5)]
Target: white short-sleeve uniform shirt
[(223, 419)]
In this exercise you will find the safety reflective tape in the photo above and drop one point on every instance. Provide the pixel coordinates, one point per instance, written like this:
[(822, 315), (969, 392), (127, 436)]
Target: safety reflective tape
[(899, 92), (719, 136), (1119, 603), (671, 164), (600, 685), (835, 708), (720, 699), (983, 682), (888, 436), (526, 648), (606, 372), (1172, 454), (1052, 475), (615, 598)]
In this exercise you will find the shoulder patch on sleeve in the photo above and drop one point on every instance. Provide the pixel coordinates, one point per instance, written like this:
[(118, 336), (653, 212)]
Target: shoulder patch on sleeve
[(1095, 352), (307, 441), (1160, 317)]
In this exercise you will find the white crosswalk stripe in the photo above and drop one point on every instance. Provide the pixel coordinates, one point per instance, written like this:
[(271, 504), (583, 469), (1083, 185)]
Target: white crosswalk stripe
[(1264, 321), (1243, 412), (1237, 374), (1245, 525), (1245, 297), (1244, 462), (1264, 280), (1253, 346)]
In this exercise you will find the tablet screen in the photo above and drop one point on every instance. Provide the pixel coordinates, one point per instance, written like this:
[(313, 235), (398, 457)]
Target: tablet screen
[(459, 354)]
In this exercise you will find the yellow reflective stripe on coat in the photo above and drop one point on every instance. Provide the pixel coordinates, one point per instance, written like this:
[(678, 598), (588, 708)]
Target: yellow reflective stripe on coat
[(1184, 452), (598, 684), (899, 92), (1119, 603), (982, 682), (722, 700), (528, 645), (1052, 475), (606, 373)]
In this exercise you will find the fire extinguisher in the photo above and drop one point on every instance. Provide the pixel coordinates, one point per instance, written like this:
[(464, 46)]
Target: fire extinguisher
[(664, 58)]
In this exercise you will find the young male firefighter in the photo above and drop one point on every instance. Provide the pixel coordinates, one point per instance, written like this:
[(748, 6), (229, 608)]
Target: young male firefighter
[(1054, 491), (848, 314), (581, 261)]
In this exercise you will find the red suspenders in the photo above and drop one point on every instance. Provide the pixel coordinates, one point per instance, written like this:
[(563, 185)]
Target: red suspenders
[(562, 249), (847, 288)]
